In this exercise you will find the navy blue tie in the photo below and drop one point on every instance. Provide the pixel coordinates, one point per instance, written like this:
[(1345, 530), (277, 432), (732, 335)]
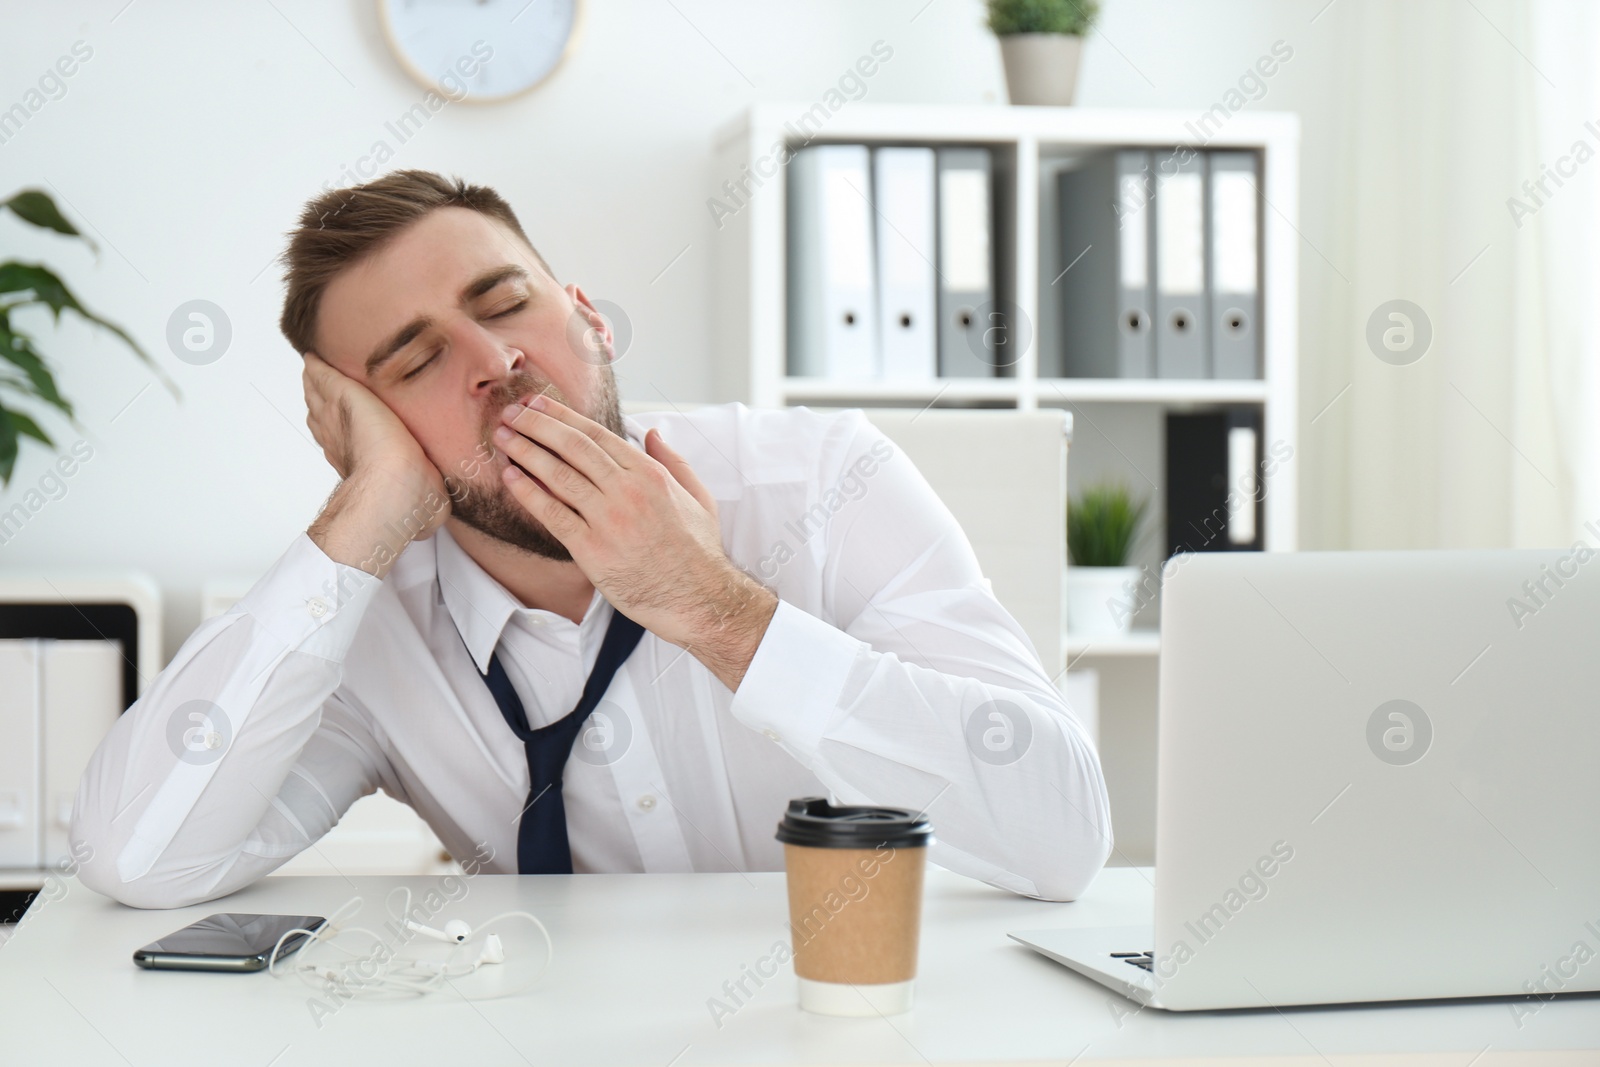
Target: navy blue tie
[(542, 844)]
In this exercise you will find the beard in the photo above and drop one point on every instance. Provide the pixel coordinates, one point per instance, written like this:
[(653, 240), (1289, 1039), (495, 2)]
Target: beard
[(494, 511)]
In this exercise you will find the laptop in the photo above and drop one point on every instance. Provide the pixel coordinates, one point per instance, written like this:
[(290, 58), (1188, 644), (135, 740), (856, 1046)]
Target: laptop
[(1378, 779)]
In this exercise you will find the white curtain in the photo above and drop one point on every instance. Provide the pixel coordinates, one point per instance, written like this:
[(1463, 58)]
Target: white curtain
[(1559, 298), (1443, 109)]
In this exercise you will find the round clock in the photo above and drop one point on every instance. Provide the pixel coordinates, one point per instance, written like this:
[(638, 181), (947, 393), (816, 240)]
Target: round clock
[(480, 51)]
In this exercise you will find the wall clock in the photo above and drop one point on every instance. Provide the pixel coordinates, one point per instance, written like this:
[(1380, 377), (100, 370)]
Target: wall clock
[(480, 51)]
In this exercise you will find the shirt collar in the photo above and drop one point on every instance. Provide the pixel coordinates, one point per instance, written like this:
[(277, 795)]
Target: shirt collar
[(479, 605)]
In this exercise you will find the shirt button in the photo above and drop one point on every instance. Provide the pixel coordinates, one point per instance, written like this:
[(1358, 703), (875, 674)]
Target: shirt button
[(317, 607), (646, 802), (771, 734)]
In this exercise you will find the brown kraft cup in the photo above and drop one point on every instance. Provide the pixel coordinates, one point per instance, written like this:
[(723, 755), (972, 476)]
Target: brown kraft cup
[(855, 904)]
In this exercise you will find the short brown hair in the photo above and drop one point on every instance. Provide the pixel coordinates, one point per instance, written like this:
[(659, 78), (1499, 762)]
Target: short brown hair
[(342, 226)]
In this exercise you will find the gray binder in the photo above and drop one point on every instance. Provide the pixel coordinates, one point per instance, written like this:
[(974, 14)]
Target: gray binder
[(966, 263), (1182, 319), (1105, 298), (1235, 265)]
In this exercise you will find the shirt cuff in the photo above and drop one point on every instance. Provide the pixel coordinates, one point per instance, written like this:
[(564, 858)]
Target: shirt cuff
[(790, 692), (309, 602)]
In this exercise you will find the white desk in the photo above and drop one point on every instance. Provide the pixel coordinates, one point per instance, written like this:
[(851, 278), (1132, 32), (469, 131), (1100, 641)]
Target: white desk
[(638, 957)]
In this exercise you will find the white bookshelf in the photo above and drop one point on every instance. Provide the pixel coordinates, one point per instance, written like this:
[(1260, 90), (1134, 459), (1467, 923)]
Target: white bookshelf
[(1119, 424), (1136, 642), (1149, 391), (1030, 144)]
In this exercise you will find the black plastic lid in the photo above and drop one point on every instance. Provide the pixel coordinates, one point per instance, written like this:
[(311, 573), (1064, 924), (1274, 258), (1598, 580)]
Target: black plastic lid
[(814, 822)]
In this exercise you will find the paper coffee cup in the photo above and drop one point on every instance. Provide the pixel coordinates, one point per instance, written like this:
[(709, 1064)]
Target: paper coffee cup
[(855, 904)]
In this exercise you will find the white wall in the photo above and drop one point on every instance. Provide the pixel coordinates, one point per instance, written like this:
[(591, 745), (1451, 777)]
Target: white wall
[(191, 137)]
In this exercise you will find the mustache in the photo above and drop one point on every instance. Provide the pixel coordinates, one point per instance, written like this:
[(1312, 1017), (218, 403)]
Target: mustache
[(504, 393), (509, 391)]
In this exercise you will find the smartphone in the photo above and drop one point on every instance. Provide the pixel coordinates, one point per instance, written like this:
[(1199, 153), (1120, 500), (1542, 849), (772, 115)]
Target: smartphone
[(228, 941)]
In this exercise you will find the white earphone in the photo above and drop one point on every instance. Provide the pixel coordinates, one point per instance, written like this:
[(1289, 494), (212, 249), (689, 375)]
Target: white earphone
[(455, 931), (493, 952), (384, 972)]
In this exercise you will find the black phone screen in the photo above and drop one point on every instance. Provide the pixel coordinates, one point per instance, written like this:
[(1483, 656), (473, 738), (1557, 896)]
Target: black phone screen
[(234, 934)]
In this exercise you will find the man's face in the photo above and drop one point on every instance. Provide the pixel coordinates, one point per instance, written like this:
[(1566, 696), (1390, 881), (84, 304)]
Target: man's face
[(448, 323)]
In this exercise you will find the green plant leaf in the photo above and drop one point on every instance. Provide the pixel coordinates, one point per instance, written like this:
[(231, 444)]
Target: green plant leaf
[(36, 207), (16, 350), (26, 426), (51, 291), (1102, 526), (1072, 17), (8, 446), (46, 288)]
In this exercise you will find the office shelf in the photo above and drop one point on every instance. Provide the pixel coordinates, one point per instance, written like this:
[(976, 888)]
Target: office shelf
[(1166, 391), (927, 390), (1031, 145), (1136, 642), (1050, 392)]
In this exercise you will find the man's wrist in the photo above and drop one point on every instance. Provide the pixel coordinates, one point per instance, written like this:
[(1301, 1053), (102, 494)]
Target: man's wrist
[(728, 629), (361, 527)]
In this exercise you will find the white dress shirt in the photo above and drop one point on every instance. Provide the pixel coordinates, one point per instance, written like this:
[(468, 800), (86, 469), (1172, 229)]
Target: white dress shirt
[(877, 681)]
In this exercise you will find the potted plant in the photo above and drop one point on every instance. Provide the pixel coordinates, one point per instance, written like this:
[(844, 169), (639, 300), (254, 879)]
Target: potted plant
[(1102, 525), (1041, 42), (23, 370)]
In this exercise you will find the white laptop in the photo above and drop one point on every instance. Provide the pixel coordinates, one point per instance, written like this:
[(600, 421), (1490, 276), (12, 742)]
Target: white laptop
[(1378, 779)]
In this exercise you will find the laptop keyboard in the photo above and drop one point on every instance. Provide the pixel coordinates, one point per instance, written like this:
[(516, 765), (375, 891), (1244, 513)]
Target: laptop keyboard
[(1142, 960)]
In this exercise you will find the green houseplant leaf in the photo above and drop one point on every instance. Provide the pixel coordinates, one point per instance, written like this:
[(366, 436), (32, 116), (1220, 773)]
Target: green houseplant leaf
[(51, 291), (33, 206), (30, 376), (1102, 525), (15, 425), (1072, 17), (39, 382), (16, 349)]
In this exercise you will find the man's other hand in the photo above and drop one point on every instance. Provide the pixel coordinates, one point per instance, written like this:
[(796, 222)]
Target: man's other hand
[(643, 528)]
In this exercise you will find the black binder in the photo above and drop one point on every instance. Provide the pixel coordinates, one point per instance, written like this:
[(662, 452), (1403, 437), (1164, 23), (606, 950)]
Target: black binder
[(1198, 482)]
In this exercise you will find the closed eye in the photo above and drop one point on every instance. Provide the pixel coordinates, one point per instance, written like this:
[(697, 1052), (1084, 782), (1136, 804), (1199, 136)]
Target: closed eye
[(419, 368), (425, 364)]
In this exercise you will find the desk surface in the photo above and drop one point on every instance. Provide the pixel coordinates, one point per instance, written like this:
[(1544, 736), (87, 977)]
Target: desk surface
[(638, 959)]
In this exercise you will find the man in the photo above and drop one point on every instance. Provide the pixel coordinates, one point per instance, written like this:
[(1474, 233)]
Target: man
[(763, 604)]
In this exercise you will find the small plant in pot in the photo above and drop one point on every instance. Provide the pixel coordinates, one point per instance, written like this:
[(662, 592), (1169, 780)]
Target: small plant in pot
[(1041, 42), (1102, 527)]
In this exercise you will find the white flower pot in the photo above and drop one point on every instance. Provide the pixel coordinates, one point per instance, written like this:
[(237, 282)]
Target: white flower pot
[(1041, 68), (1100, 600)]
